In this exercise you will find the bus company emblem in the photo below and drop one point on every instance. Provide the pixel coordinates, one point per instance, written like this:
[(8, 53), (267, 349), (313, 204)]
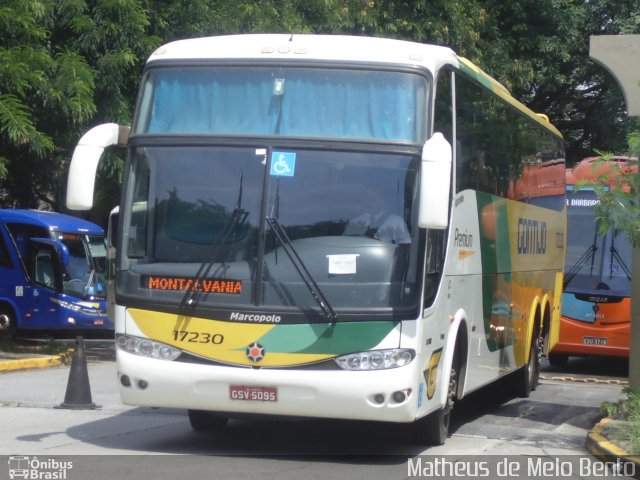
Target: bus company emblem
[(255, 352), (596, 315)]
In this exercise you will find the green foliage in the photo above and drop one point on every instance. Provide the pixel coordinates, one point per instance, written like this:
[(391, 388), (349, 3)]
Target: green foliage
[(71, 89), (16, 123), (53, 347), (66, 65), (23, 66), (624, 408), (619, 194), (626, 432)]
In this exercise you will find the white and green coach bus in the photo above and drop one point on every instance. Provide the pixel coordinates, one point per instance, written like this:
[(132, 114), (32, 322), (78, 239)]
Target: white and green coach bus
[(329, 226)]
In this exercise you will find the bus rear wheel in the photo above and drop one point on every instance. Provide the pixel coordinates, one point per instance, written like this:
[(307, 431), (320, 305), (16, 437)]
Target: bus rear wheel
[(7, 322), (529, 375), (204, 421)]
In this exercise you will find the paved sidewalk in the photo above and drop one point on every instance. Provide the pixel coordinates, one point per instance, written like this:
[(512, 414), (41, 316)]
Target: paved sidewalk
[(602, 447), (11, 361)]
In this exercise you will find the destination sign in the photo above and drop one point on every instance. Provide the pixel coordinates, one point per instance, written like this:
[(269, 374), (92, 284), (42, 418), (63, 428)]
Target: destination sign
[(206, 285)]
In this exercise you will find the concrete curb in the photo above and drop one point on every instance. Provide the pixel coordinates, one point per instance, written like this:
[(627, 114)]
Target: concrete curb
[(605, 450), (43, 361)]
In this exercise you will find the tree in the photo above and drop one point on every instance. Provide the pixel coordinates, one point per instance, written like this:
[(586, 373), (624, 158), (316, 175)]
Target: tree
[(63, 65), (34, 81), (543, 58), (66, 65), (619, 206)]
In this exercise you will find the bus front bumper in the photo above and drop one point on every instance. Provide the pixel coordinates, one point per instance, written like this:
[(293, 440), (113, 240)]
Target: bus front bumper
[(382, 395)]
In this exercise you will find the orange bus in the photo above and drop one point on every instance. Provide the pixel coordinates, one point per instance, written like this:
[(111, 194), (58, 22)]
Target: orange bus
[(596, 304)]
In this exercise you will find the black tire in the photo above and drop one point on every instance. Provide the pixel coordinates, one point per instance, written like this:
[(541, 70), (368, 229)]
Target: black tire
[(558, 360), (529, 375), (7, 322), (434, 428), (204, 421)]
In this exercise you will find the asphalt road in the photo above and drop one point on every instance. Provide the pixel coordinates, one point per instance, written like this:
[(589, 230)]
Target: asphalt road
[(118, 441)]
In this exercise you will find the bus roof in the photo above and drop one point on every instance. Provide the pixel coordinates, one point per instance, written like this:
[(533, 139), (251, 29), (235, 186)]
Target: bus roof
[(300, 47), (306, 47), (51, 220), (594, 169)]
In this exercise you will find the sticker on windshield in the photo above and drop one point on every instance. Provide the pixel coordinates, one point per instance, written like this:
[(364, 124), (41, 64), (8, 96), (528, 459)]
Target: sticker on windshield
[(283, 164), (342, 264)]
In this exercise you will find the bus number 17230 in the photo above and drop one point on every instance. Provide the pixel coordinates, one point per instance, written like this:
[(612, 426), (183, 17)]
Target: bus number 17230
[(197, 337)]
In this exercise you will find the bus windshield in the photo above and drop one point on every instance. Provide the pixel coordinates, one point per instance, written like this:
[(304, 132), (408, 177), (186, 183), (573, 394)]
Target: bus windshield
[(84, 275), (281, 101), (350, 216), (594, 263)]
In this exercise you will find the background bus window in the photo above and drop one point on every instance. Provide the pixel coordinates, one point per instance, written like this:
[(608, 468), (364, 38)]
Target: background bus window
[(5, 258), (500, 152), (44, 270)]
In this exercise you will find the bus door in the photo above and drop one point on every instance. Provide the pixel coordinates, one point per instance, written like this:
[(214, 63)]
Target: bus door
[(44, 264), (13, 282)]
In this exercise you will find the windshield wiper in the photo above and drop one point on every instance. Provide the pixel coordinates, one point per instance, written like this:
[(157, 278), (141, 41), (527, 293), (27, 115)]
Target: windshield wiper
[(616, 255), (589, 254), (237, 218), (573, 271), (302, 270)]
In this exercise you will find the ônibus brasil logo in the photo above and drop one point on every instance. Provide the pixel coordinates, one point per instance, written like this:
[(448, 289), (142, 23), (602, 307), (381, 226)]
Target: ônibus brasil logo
[(32, 468)]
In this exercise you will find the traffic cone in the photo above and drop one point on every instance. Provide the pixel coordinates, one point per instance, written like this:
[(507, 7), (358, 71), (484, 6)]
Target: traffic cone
[(78, 396)]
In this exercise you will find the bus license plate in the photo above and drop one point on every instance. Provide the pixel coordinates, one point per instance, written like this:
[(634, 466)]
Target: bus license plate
[(257, 394)]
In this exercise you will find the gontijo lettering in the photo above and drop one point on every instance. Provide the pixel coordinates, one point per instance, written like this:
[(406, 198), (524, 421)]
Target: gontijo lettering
[(532, 237)]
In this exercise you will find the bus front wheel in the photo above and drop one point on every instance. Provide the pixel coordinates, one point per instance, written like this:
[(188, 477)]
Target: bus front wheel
[(203, 421), (434, 428), (7, 322)]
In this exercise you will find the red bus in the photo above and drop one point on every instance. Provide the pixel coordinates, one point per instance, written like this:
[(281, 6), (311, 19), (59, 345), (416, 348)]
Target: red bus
[(596, 304)]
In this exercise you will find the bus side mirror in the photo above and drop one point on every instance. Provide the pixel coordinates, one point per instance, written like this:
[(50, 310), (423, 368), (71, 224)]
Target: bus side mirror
[(435, 183), (87, 154)]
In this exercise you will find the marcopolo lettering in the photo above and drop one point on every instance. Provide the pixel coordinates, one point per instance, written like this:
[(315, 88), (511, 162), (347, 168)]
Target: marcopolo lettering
[(532, 237), (254, 318)]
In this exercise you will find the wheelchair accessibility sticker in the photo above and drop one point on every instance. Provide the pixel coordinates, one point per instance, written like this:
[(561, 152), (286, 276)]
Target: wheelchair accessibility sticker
[(283, 164)]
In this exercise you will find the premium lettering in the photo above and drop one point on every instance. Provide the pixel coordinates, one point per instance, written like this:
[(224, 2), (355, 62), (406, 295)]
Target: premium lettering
[(463, 239)]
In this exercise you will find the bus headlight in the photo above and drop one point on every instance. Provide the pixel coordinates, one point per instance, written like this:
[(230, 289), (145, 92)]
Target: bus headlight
[(146, 348), (376, 359)]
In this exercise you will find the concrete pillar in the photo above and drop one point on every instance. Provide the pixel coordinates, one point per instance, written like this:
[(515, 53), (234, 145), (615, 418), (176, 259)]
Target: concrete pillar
[(620, 55)]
